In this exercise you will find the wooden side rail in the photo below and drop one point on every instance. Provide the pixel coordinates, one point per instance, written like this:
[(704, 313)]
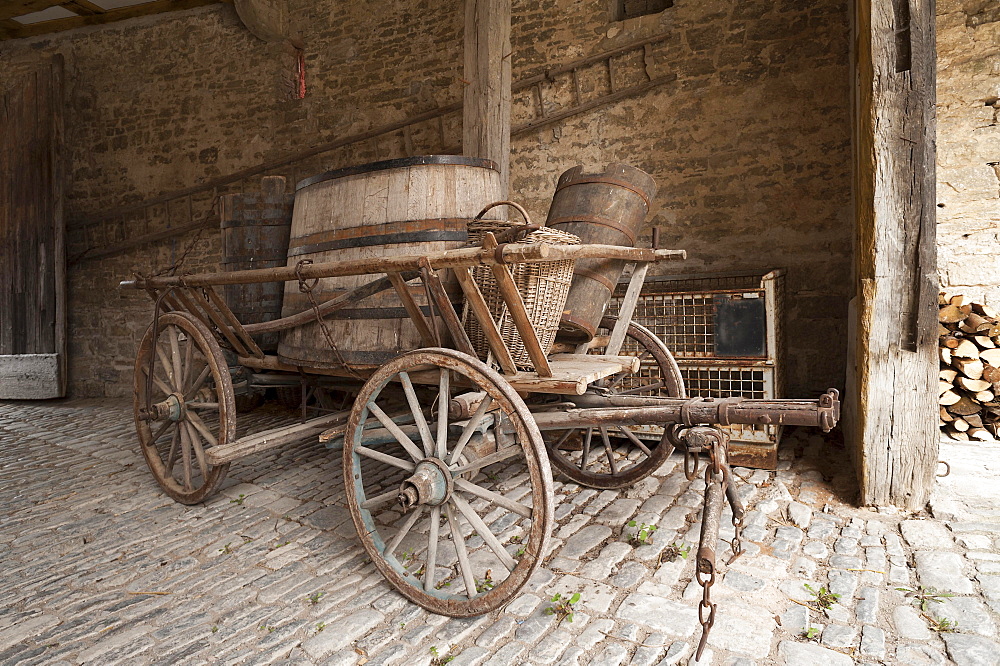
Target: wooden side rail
[(470, 256)]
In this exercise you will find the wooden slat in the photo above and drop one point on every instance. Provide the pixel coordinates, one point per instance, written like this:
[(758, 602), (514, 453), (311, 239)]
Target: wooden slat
[(518, 314), (269, 439), (452, 322), (481, 311), (234, 324), (626, 308), (217, 320), (416, 316)]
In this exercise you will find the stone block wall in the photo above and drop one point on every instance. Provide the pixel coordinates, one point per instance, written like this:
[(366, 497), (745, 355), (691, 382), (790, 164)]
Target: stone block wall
[(968, 148), (750, 145)]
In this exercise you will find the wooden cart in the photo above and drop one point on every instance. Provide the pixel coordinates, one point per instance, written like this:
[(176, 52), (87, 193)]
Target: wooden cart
[(446, 468)]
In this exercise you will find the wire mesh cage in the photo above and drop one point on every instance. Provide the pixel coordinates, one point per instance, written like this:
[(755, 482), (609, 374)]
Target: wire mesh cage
[(725, 332)]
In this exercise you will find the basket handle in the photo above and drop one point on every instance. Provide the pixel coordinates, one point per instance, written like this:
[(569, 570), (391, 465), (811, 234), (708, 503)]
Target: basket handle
[(512, 204)]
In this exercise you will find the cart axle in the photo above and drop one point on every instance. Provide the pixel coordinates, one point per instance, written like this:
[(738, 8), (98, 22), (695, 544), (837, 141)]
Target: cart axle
[(430, 484), (172, 408)]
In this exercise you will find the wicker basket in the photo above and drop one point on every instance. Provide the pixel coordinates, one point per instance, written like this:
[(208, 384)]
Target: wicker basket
[(543, 286)]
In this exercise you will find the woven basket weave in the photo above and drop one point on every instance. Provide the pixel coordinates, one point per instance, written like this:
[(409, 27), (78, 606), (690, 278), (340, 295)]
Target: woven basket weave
[(543, 287)]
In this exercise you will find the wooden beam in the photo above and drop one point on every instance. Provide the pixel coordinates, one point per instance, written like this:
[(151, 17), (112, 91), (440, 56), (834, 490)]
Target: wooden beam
[(57, 25), (83, 7), (486, 109), (893, 430), (22, 7)]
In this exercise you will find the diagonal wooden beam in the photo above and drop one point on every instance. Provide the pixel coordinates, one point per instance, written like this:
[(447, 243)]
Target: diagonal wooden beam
[(57, 25), (83, 7), (22, 7)]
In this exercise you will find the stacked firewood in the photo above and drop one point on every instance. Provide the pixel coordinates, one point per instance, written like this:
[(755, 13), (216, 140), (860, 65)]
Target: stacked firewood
[(969, 384)]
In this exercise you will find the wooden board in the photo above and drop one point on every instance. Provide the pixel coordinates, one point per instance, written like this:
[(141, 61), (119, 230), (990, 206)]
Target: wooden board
[(893, 431), (572, 373), (32, 251)]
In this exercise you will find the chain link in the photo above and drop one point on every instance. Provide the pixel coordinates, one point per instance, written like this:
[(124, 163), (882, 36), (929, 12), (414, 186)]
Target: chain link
[(307, 289)]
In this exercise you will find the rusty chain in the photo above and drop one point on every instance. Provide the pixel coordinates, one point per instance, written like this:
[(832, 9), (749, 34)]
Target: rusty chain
[(306, 288), (718, 484)]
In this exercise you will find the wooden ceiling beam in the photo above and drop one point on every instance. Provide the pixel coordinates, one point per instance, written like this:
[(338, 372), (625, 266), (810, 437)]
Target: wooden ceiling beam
[(57, 25), (83, 7), (22, 7)]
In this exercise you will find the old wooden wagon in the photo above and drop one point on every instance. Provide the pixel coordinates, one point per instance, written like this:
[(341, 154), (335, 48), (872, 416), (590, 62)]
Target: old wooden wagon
[(433, 418)]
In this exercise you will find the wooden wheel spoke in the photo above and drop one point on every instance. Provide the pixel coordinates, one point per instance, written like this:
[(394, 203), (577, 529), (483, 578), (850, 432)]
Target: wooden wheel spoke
[(172, 454), (188, 362), (384, 457), (203, 429), (494, 497), (197, 384), (418, 415), (175, 357), (562, 440), (379, 500), (608, 451), (586, 448), (199, 451), (463, 553), (186, 458), (404, 529), (486, 461), (396, 432), (159, 383), (159, 433), (470, 428), (202, 405), (433, 537), (484, 531), (166, 364), (635, 440), (655, 386), (444, 401)]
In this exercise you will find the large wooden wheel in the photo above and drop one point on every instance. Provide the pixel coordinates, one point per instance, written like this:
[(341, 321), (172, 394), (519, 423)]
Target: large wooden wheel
[(616, 457), (455, 514), (190, 407)]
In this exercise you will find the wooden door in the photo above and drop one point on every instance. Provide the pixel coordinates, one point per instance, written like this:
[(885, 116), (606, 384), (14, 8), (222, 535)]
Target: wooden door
[(32, 251)]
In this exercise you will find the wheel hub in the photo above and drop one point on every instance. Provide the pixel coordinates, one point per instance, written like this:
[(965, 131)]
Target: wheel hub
[(171, 408), (431, 483)]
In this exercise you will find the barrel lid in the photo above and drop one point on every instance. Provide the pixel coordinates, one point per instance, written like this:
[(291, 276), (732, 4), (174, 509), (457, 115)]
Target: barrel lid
[(401, 163)]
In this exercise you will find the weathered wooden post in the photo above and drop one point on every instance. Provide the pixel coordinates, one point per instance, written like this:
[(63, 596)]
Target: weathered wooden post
[(486, 110), (893, 429)]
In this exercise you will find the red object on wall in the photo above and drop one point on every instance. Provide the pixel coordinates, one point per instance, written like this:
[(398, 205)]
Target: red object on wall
[(300, 91)]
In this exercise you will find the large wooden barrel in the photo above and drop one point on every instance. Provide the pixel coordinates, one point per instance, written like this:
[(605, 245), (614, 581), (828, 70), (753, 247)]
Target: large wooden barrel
[(396, 207), (255, 228), (608, 208)]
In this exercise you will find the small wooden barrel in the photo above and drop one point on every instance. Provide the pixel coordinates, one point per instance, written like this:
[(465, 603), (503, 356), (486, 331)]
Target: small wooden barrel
[(607, 208), (255, 230), (396, 207)]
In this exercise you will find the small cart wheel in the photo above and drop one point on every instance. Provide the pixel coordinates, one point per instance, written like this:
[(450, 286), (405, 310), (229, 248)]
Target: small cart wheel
[(455, 512), (190, 408), (617, 457)]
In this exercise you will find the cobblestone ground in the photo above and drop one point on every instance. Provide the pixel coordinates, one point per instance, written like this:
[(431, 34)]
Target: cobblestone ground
[(100, 567)]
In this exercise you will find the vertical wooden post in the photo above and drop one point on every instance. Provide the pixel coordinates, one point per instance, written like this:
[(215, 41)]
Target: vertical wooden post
[(893, 431), (486, 110)]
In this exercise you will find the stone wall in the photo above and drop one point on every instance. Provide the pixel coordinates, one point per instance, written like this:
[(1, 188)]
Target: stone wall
[(968, 148), (750, 145)]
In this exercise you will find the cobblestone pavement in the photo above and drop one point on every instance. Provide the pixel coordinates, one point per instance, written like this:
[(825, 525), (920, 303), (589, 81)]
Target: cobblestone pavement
[(100, 567)]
